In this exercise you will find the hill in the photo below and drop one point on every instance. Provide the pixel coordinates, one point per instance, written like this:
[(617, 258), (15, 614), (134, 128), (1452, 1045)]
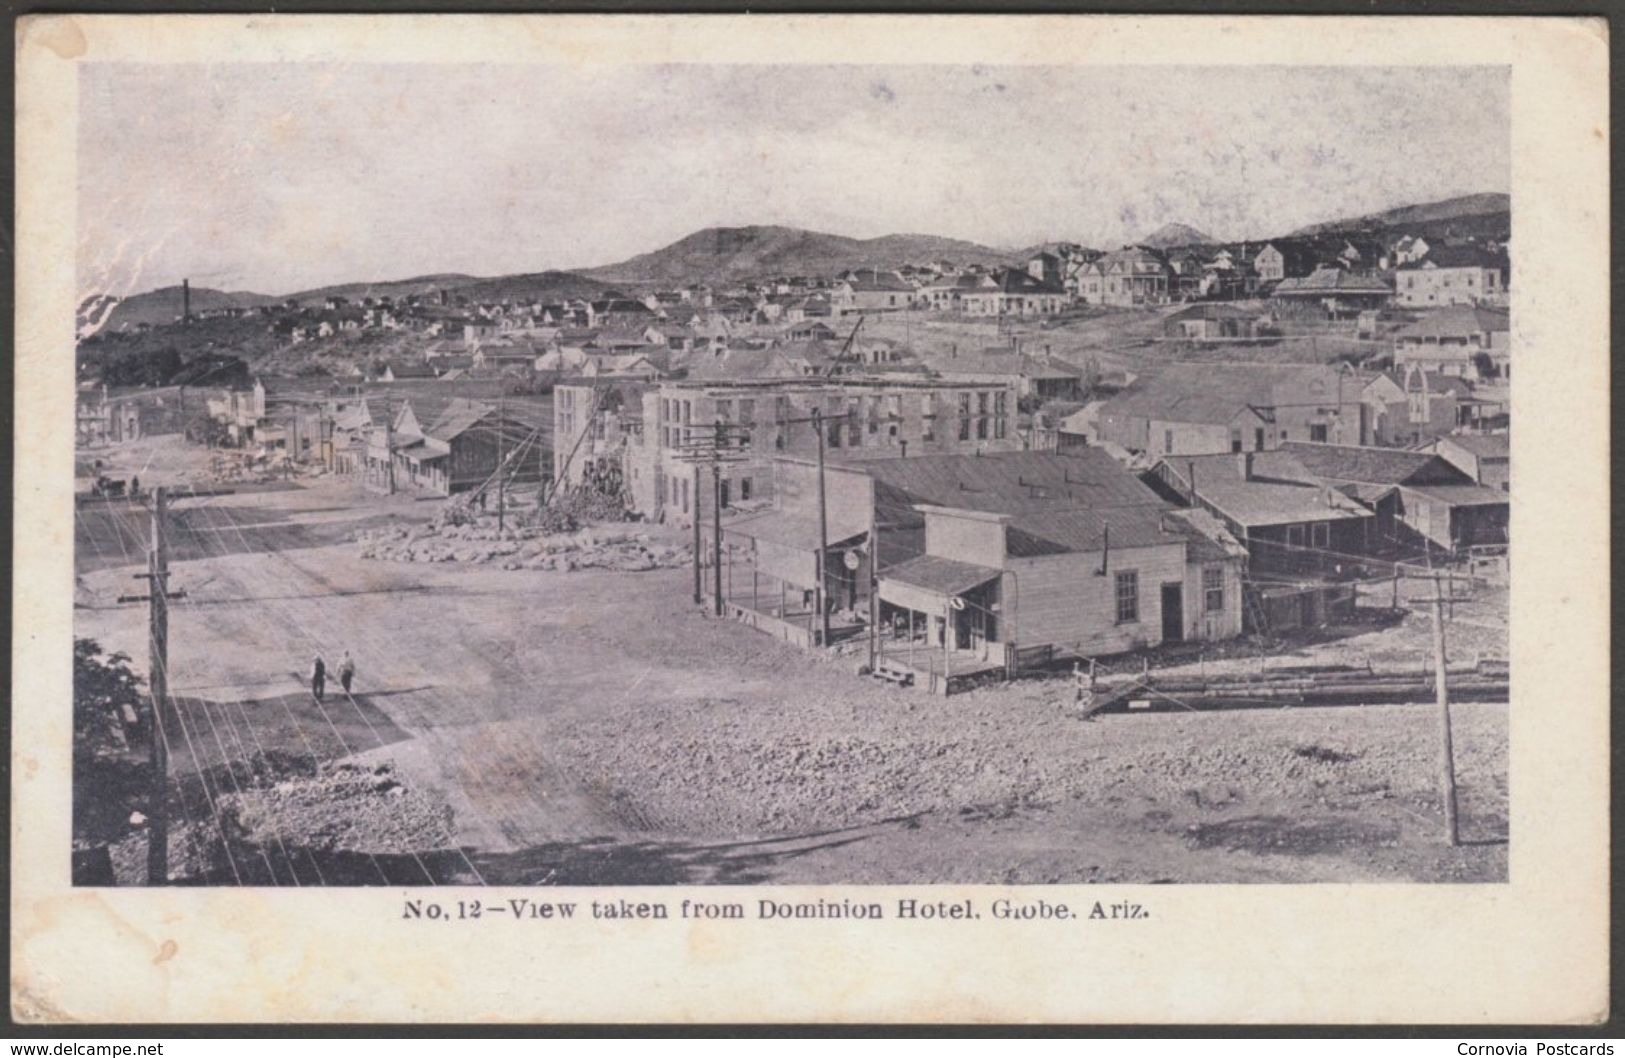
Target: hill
[(393, 288), (1465, 208), (720, 255), (158, 307), (536, 286), (1177, 235)]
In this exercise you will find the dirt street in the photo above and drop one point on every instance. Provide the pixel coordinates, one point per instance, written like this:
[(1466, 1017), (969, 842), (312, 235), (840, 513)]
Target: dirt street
[(593, 727)]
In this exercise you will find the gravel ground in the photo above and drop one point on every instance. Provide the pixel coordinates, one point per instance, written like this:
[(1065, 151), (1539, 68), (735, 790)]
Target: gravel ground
[(709, 767), (593, 727)]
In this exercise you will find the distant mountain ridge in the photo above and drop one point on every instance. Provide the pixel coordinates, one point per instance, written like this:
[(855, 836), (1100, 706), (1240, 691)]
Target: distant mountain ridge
[(1460, 207), (731, 254), (1175, 234), (158, 307), (721, 255)]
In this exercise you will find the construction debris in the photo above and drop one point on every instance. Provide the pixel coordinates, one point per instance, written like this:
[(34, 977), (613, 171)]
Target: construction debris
[(525, 547)]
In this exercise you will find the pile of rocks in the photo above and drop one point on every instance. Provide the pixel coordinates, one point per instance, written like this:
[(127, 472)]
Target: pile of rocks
[(345, 806), (595, 547)]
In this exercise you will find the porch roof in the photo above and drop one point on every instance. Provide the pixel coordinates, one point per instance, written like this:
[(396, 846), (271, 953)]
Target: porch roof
[(793, 530), (944, 577)]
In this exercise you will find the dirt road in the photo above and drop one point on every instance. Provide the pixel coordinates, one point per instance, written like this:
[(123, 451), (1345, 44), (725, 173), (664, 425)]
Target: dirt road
[(592, 727)]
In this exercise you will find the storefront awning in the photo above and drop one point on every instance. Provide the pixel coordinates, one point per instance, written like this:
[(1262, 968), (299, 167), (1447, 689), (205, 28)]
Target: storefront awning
[(793, 530), (927, 583)]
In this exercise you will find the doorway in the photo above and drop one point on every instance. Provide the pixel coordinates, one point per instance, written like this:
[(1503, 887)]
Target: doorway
[(1173, 613)]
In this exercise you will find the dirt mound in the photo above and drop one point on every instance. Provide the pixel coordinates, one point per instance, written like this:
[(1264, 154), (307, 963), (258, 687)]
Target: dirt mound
[(700, 767), (526, 547), (343, 807)]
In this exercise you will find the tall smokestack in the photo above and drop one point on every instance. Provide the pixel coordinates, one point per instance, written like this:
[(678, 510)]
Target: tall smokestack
[(186, 299)]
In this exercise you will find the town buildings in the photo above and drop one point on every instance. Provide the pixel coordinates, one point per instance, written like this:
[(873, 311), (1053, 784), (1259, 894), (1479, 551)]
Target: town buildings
[(1134, 275), (763, 404), (1012, 292), (1407, 407), (1485, 458), (965, 564), (1451, 275), (1330, 293), (459, 448), (1198, 409), (1463, 341)]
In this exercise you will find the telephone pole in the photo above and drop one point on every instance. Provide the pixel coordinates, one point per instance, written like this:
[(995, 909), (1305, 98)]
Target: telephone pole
[(157, 599), (716, 528), (502, 455), (1447, 755), (389, 448), (713, 451), (823, 531), (699, 590)]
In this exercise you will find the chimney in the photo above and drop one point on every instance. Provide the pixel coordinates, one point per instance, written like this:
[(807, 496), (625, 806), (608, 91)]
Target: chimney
[(186, 299)]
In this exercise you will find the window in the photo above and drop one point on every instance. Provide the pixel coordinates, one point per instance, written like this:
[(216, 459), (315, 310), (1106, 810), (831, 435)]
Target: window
[(1128, 597), (744, 489), (1294, 536), (833, 429), (1258, 439), (1320, 535), (1168, 442), (1213, 588), (685, 495), (1317, 432), (723, 488), (1235, 438)]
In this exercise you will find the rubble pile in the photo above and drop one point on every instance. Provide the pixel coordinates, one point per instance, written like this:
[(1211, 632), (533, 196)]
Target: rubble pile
[(343, 807), (524, 547), (570, 508)]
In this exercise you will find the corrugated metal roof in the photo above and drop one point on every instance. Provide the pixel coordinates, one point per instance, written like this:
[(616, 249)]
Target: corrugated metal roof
[(1482, 445), (1059, 531), (1006, 482), (940, 576), (1330, 281), (1456, 321), (1372, 466), (1463, 495), (1207, 540), (1260, 503), (795, 530)]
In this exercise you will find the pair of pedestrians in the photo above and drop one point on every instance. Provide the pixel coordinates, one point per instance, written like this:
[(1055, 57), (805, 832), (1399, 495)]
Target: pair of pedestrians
[(318, 675)]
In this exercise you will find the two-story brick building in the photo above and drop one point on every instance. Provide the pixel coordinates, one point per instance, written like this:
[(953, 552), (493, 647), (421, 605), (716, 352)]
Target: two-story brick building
[(860, 417)]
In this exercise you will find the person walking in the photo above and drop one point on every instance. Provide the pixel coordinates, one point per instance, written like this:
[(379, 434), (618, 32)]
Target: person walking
[(318, 677), (346, 671)]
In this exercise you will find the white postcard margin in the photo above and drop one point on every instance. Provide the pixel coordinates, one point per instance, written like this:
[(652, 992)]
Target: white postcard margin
[(1532, 950)]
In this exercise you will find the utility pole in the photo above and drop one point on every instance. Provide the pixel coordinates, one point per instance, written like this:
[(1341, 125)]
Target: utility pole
[(699, 591), (716, 523), (823, 530), (157, 598), (502, 438), (389, 448), (1447, 755), (699, 453)]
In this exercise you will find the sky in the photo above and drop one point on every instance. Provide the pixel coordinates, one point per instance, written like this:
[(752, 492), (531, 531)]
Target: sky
[(275, 178)]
